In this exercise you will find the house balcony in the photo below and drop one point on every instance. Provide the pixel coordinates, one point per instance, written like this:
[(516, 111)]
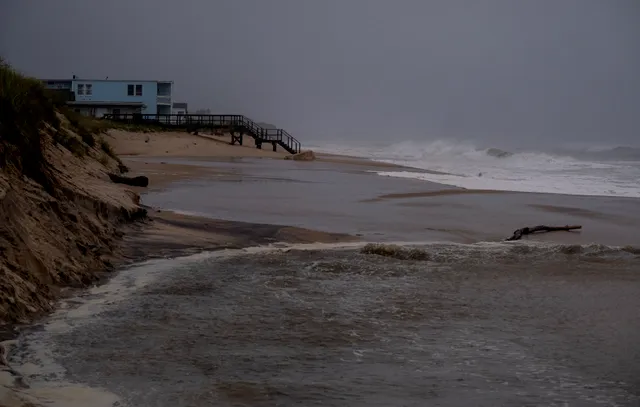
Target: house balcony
[(163, 100)]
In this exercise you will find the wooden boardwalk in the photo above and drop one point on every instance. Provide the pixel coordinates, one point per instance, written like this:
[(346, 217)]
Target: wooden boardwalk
[(237, 125)]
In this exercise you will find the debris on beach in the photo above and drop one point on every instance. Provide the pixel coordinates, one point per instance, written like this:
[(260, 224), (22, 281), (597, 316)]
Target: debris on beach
[(139, 181), (518, 233), (303, 156)]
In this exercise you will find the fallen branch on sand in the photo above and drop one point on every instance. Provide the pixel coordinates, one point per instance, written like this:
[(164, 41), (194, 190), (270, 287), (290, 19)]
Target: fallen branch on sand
[(517, 235)]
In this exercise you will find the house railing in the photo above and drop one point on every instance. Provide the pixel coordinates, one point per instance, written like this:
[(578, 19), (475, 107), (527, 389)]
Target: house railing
[(163, 99), (235, 123)]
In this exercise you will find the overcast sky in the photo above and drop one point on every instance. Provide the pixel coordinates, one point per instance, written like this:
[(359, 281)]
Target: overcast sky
[(500, 72)]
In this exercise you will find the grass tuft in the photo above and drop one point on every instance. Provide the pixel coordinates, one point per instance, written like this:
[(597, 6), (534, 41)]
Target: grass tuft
[(87, 137), (106, 147)]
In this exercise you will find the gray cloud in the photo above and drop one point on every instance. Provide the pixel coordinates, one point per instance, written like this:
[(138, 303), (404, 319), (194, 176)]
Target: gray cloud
[(491, 71)]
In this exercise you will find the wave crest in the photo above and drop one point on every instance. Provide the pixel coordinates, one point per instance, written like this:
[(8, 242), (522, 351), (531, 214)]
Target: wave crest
[(467, 166), (498, 153)]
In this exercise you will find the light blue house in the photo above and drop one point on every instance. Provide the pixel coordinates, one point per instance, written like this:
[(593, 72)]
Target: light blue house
[(96, 97)]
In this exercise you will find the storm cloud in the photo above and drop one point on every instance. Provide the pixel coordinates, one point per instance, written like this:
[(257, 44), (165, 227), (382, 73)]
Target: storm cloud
[(514, 73)]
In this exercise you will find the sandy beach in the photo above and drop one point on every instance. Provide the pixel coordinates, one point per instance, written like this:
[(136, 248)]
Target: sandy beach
[(341, 194), (207, 196)]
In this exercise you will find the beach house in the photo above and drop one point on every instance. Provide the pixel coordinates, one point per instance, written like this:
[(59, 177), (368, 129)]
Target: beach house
[(97, 97), (180, 108)]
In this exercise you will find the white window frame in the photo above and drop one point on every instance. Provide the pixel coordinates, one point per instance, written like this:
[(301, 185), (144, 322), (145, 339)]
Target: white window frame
[(136, 87), (88, 89), (80, 90)]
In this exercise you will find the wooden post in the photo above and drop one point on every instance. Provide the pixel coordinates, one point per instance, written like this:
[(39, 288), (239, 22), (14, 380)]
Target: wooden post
[(235, 138), (274, 145)]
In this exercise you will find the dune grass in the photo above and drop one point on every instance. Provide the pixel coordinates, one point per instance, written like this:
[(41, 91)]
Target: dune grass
[(97, 126), (27, 112)]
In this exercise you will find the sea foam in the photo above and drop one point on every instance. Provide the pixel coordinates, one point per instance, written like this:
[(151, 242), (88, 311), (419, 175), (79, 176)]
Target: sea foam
[(467, 166)]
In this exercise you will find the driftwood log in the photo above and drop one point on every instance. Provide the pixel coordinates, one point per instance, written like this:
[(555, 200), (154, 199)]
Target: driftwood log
[(140, 181), (517, 235)]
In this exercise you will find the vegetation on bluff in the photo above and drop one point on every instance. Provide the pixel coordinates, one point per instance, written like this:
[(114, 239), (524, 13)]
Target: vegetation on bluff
[(27, 113)]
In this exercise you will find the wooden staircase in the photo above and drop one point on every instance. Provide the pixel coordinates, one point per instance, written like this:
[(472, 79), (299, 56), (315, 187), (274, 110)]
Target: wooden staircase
[(237, 125)]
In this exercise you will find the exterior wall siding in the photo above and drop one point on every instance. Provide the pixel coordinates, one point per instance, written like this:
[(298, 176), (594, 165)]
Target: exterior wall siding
[(101, 111), (117, 91)]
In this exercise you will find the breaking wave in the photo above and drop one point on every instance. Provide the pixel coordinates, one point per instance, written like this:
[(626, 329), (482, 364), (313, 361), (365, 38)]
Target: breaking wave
[(467, 166), (496, 152)]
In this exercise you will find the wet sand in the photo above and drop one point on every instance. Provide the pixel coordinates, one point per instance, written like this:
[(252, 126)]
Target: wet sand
[(342, 198), (168, 234)]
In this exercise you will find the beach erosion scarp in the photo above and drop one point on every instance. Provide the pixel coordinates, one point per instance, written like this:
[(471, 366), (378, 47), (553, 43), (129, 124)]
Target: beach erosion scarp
[(60, 214)]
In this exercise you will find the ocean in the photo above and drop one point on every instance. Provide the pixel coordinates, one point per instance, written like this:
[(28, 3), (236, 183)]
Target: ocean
[(587, 171), (320, 325)]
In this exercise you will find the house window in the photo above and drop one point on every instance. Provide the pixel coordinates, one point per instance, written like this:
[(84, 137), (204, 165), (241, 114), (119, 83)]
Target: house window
[(85, 89), (134, 90)]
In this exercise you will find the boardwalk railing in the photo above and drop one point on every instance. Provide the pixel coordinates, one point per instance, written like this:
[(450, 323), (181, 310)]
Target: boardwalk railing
[(236, 123)]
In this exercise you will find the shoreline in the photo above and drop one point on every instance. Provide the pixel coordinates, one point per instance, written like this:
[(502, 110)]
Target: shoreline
[(438, 202), (106, 225), (162, 233), (166, 234)]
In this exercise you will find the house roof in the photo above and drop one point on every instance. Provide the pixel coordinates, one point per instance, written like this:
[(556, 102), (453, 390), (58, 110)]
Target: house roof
[(100, 103), (105, 80)]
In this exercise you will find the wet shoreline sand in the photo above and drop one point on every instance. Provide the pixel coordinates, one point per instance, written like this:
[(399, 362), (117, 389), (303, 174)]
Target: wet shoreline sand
[(351, 199), (168, 234)]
